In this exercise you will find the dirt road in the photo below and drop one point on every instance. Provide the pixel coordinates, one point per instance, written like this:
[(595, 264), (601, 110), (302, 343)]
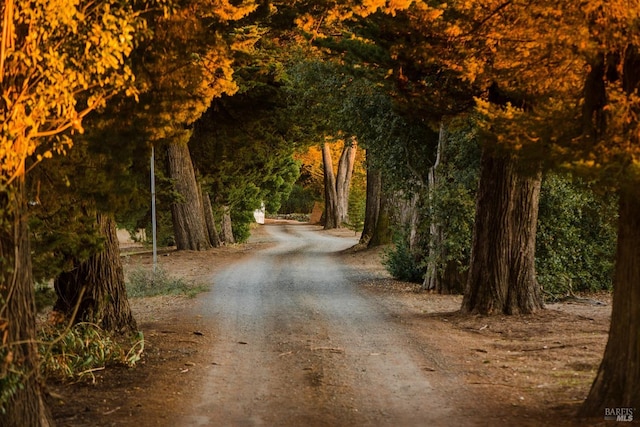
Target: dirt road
[(296, 344), (295, 333)]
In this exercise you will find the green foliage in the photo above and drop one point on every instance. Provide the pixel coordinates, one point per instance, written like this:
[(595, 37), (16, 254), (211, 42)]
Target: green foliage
[(357, 202), (61, 233), (45, 297), (452, 202), (241, 221), (78, 351), (10, 380), (401, 262), (575, 246), (576, 234), (300, 200), (146, 283), (10, 374), (241, 147)]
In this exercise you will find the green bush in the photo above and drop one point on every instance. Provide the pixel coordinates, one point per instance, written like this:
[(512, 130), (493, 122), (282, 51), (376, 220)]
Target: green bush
[(401, 263), (300, 200), (576, 237)]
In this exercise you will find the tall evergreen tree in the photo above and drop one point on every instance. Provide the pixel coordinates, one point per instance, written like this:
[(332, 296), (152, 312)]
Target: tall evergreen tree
[(58, 62), (187, 63)]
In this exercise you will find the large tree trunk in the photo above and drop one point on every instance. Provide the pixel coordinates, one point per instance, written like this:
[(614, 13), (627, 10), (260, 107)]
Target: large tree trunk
[(376, 230), (209, 219), (330, 194), (97, 287), (502, 275), (188, 220), (25, 407), (433, 275), (227, 226), (616, 388), (442, 276), (343, 180), (617, 384), (336, 188)]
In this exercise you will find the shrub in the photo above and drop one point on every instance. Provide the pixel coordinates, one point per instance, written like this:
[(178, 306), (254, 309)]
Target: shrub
[(401, 263), (80, 350), (576, 237)]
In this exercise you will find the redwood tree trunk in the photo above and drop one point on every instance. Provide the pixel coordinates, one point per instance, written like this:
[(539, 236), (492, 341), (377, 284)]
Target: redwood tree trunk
[(330, 194), (376, 230), (617, 384), (26, 406), (502, 275), (188, 220), (372, 207), (97, 287), (209, 219)]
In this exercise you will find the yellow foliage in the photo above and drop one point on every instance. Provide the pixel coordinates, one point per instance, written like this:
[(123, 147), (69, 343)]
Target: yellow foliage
[(67, 61)]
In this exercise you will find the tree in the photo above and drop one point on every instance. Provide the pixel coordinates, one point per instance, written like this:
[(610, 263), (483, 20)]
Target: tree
[(376, 227), (75, 199), (575, 67), (95, 287), (502, 270), (187, 63), (336, 186), (189, 224), (474, 46), (58, 62), (610, 126)]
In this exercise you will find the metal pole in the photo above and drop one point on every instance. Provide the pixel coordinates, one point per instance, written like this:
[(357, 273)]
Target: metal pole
[(153, 209)]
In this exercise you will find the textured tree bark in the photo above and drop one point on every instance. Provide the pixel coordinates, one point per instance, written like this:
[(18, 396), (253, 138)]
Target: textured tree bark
[(372, 207), (188, 220), (617, 384), (502, 275), (330, 194), (26, 406), (336, 188), (433, 279), (227, 227), (343, 180), (97, 287), (376, 230), (209, 219)]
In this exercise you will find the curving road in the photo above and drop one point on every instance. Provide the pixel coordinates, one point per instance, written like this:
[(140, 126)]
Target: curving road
[(296, 344)]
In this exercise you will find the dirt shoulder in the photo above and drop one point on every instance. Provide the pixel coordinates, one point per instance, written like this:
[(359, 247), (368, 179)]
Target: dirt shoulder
[(516, 370)]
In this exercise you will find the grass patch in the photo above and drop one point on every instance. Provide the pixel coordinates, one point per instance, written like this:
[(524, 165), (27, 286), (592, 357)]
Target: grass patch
[(146, 283), (76, 352)]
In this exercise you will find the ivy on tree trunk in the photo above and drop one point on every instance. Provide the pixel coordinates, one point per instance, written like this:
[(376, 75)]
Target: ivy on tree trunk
[(19, 352)]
